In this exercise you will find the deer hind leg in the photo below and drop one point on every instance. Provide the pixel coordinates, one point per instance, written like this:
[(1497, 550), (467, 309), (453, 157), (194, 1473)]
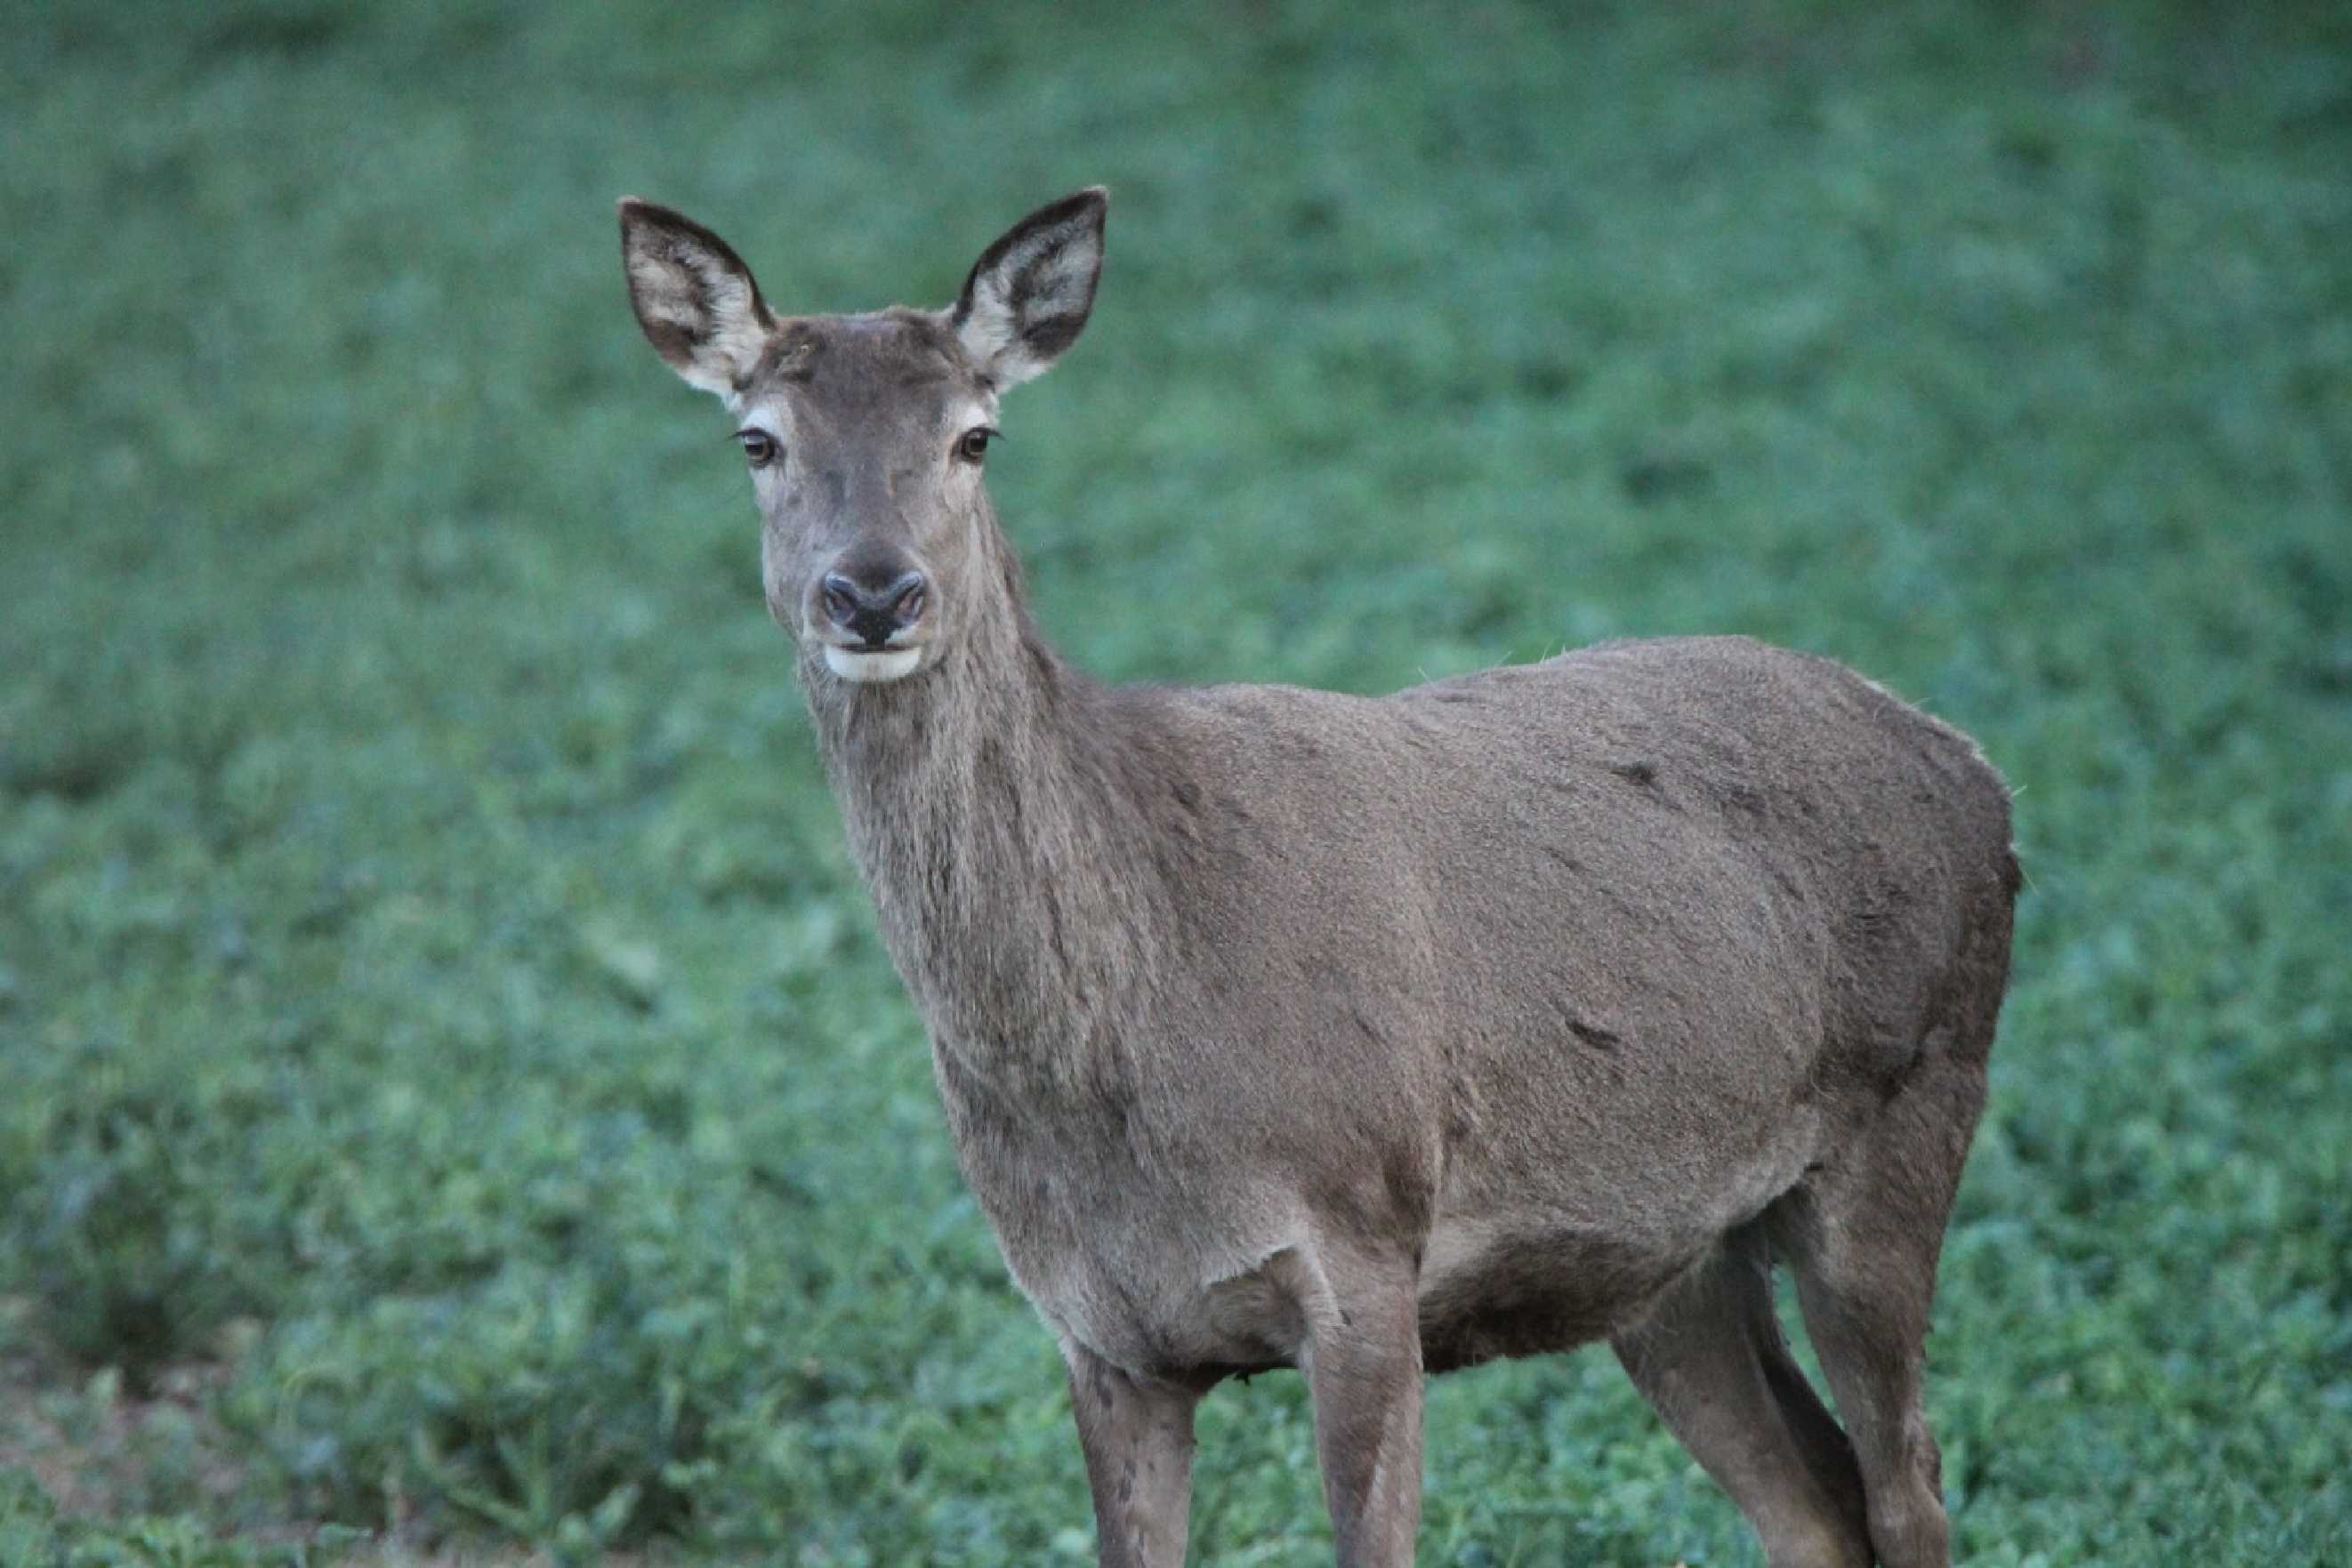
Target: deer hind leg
[(1711, 1360), (1862, 1236)]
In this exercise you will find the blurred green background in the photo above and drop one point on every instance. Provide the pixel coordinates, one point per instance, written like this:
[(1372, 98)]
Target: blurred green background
[(453, 1106)]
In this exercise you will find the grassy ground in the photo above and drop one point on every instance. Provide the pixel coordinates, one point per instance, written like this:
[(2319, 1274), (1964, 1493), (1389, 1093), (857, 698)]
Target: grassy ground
[(451, 1098)]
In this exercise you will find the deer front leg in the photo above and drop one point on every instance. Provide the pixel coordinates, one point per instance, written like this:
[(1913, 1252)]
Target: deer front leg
[(1362, 1361), (1138, 1439)]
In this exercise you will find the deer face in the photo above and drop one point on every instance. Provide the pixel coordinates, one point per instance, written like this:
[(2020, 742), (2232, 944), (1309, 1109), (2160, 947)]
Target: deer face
[(867, 435)]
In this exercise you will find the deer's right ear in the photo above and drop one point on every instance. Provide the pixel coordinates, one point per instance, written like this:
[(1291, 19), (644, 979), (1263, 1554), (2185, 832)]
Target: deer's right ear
[(694, 298)]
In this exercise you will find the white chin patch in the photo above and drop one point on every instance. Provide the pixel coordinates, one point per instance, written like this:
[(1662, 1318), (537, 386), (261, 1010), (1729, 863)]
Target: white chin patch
[(890, 665)]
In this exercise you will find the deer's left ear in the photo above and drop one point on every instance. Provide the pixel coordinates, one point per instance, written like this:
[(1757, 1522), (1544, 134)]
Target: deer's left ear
[(1030, 293), (694, 297)]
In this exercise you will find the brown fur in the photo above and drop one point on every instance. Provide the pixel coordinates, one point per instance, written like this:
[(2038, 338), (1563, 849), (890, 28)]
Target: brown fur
[(1279, 1027)]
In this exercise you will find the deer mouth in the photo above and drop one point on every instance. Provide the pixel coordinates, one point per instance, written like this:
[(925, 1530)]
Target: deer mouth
[(874, 667)]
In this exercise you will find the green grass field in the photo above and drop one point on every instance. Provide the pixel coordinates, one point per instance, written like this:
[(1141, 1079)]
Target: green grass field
[(451, 1098)]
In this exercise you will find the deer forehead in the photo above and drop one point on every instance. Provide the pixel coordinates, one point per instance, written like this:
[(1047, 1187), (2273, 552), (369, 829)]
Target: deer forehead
[(895, 361)]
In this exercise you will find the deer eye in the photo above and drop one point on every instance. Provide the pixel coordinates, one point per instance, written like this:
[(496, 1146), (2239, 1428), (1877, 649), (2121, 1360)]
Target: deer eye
[(972, 444), (759, 446)]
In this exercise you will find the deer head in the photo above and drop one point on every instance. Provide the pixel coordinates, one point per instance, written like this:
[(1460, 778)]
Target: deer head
[(867, 435)]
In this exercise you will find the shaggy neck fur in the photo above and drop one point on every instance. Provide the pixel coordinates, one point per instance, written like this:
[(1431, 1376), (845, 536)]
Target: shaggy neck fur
[(986, 802)]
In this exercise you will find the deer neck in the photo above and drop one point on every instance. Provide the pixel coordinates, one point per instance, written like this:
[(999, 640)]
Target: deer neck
[(986, 810)]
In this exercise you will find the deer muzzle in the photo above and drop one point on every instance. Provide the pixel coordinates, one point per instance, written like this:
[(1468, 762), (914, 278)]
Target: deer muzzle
[(869, 612)]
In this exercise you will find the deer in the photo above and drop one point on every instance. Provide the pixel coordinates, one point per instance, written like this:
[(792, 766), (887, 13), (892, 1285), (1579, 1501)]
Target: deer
[(1376, 1037)]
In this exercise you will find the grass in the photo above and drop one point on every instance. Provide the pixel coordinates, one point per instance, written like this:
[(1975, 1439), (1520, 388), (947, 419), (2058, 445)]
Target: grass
[(453, 1106)]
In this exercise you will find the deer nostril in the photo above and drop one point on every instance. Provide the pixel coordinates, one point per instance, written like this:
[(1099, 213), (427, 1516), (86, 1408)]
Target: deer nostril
[(908, 597), (842, 600)]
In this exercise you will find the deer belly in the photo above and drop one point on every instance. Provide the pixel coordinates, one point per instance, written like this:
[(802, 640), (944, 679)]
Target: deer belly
[(1490, 1291)]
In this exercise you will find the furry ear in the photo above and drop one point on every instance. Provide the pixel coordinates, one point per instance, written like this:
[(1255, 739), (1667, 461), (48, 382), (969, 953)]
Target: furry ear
[(694, 298), (1030, 293)]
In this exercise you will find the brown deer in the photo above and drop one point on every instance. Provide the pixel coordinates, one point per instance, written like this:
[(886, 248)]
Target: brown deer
[(1375, 1037)]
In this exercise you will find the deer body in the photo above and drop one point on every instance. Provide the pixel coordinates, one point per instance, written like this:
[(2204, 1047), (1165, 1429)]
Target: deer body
[(1373, 1036)]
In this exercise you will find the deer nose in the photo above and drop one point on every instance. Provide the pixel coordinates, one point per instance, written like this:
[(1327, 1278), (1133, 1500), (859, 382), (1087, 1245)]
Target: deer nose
[(874, 614)]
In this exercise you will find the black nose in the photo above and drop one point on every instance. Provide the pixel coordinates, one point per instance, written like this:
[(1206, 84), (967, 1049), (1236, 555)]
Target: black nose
[(873, 614)]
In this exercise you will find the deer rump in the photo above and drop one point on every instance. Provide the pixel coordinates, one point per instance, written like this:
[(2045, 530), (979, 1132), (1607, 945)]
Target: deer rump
[(1568, 971)]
